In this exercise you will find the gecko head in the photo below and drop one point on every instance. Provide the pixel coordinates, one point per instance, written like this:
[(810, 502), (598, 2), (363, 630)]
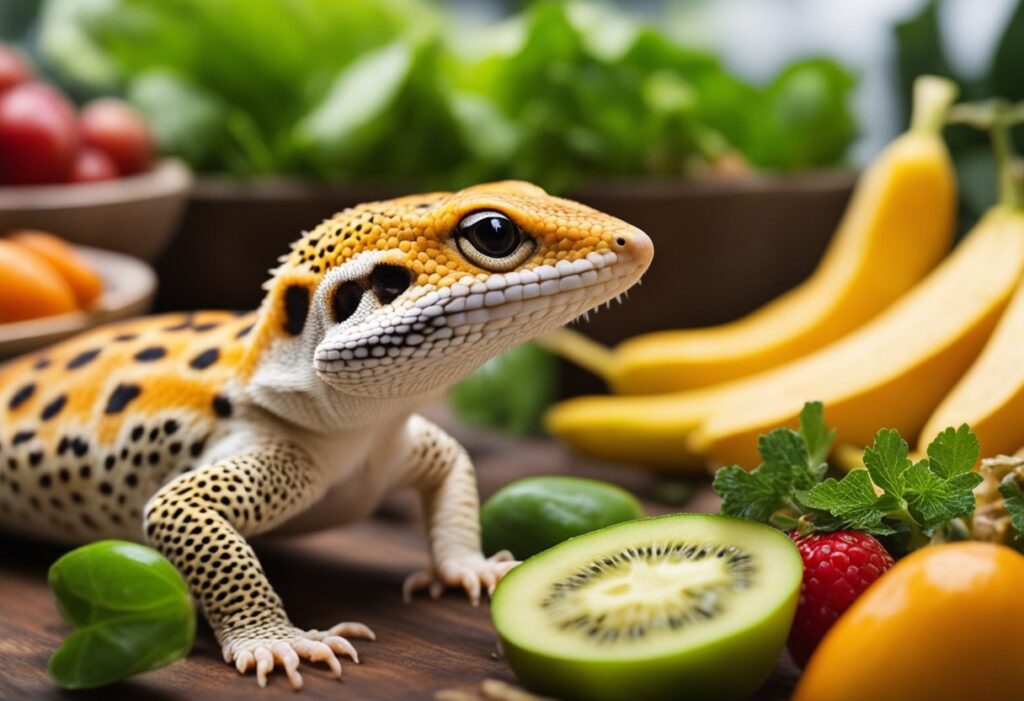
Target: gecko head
[(405, 297)]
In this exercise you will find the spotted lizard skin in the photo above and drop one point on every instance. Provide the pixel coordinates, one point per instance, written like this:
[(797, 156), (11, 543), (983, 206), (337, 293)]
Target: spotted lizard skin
[(193, 432)]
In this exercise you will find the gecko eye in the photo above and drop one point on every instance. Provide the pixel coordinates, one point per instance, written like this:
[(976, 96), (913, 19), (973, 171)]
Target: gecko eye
[(493, 241)]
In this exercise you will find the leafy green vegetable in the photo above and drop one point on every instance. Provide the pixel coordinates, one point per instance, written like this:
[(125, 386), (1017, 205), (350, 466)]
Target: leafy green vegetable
[(131, 610), (1013, 500), (335, 91), (890, 495), (792, 461), (510, 392)]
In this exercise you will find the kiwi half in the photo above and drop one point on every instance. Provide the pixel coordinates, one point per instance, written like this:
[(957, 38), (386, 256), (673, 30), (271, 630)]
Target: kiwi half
[(689, 606)]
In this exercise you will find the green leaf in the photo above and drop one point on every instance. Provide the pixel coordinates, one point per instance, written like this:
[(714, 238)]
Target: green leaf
[(919, 51), (510, 392), (754, 495), (131, 610), (852, 500), (782, 445), (886, 461), (817, 437), (186, 120), (1013, 500), (954, 451), (1008, 62)]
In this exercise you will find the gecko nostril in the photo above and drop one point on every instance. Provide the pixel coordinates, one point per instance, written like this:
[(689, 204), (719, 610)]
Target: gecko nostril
[(389, 281)]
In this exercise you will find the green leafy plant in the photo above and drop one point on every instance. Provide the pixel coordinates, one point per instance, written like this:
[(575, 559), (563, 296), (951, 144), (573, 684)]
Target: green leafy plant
[(334, 91), (920, 50), (892, 496), (510, 392), (130, 609)]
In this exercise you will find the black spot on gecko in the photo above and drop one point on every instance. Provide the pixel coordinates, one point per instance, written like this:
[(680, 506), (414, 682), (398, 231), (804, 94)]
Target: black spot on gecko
[(79, 446), (137, 432), (21, 396), (120, 397), (205, 327), (296, 308), (221, 406), (53, 408), (346, 300), (22, 437), (185, 323), (42, 363), (205, 359), (244, 331), (149, 354), (171, 427), (83, 358), (125, 337)]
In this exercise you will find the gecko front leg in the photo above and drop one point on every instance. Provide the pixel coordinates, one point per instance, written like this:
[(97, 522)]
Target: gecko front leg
[(439, 468), (199, 521)]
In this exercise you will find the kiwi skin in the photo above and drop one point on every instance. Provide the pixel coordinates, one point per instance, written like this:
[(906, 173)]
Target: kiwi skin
[(726, 669)]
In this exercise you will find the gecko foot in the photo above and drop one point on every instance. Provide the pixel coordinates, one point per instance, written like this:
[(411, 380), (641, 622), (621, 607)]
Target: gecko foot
[(472, 573), (283, 646)]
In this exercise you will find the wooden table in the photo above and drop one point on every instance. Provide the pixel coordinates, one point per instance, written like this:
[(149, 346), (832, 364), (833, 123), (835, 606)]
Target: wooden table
[(346, 574)]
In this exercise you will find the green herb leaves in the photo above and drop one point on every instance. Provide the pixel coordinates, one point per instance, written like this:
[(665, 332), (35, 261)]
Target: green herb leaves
[(366, 90), (890, 495), (792, 462), (131, 610)]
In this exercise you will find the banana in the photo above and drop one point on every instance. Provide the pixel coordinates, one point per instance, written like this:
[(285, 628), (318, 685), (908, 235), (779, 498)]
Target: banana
[(897, 227), (890, 372), (990, 397), (894, 370)]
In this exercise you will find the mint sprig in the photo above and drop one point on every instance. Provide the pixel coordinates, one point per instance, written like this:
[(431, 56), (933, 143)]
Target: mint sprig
[(792, 461), (890, 495)]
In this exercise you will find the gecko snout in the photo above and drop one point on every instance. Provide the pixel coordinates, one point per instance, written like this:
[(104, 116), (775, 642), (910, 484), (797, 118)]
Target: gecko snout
[(635, 245)]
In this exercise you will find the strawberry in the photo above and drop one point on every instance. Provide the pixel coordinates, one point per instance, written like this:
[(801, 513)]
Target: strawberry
[(838, 567)]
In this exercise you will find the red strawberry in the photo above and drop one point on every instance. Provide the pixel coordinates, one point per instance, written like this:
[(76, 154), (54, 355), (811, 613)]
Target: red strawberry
[(838, 567)]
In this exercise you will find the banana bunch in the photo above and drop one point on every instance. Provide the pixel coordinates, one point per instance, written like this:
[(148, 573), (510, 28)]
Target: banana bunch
[(886, 332)]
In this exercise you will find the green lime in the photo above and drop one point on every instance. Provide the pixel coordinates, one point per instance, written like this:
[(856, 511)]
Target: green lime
[(536, 513)]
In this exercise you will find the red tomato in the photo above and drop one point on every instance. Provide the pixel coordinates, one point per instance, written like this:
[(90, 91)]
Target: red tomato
[(120, 131), (38, 138), (14, 67), (92, 166)]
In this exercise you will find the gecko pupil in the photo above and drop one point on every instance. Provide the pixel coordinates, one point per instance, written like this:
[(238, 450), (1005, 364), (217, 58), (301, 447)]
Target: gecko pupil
[(494, 236)]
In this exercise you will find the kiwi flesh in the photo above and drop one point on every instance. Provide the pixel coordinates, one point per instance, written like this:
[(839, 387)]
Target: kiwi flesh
[(688, 606)]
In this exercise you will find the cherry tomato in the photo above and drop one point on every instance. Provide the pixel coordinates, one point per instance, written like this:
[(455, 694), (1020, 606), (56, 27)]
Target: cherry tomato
[(14, 68), (92, 165), (38, 135), (120, 131)]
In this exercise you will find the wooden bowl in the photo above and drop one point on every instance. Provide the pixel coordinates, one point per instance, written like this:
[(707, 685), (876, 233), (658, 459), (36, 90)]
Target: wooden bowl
[(136, 215), (128, 288)]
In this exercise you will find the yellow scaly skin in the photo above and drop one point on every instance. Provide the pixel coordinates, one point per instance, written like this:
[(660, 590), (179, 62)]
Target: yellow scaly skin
[(196, 431)]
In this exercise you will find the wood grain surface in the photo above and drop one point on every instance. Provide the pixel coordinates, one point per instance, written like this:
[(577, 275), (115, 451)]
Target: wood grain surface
[(346, 574)]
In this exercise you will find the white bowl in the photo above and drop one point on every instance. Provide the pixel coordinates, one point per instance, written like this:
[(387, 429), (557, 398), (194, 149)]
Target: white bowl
[(136, 214), (128, 288)]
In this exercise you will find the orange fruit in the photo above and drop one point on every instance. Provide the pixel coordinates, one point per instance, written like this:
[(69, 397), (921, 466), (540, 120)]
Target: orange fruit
[(62, 256), (29, 286), (943, 624)]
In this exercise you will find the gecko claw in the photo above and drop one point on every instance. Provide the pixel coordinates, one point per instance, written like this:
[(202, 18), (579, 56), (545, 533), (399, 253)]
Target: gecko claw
[(285, 647), (472, 574)]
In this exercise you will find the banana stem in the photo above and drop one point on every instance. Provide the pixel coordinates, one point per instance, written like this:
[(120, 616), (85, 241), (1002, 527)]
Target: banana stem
[(579, 349), (998, 117), (932, 99)]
